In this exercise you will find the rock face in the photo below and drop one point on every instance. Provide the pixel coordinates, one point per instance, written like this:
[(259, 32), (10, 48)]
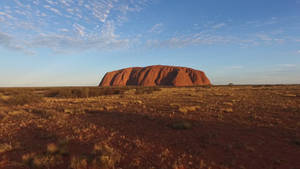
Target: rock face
[(155, 76)]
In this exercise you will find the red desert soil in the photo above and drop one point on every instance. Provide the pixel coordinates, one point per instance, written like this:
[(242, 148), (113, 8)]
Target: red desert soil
[(225, 127), (155, 76)]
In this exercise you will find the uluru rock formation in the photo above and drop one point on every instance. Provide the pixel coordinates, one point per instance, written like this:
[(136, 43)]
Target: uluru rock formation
[(157, 75)]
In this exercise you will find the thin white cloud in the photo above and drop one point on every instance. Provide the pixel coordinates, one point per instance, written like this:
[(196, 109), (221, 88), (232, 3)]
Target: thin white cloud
[(51, 2), (157, 28), (220, 25), (287, 65), (262, 23), (79, 28), (65, 2), (67, 44), (36, 2), (189, 40), (106, 40), (264, 37), (10, 42), (212, 37), (18, 3), (100, 9), (96, 20), (55, 22), (298, 51), (63, 30), (5, 14), (56, 11)]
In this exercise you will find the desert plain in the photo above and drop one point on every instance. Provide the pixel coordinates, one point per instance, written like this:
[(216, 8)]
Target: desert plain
[(200, 127)]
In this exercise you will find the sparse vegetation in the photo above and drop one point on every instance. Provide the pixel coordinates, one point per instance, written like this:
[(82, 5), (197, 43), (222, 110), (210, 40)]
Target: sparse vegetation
[(146, 90), (102, 157), (84, 92), (169, 128), (22, 99)]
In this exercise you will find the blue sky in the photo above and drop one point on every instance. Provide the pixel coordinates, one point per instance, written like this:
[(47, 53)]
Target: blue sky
[(74, 42)]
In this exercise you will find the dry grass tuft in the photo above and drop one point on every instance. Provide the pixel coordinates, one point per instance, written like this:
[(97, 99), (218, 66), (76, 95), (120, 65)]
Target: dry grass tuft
[(5, 147), (186, 109)]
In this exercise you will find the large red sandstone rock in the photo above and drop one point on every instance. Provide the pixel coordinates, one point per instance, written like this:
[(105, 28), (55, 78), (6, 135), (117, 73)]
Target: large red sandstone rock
[(155, 76)]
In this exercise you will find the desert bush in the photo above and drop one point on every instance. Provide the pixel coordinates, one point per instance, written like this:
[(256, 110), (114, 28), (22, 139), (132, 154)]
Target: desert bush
[(16, 91), (80, 93), (68, 92), (146, 90), (105, 156), (40, 161), (40, 112), (22, 99), (51, 158), (181, 125), (83, 92), (296, 142), (58, 149), (28, 160), (60, 92), (94, 111), (79, 162), (106, 91), (2, 114)]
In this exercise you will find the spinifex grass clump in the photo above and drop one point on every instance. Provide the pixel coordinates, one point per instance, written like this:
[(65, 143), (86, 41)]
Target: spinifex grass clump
[(51, 158), (102, 157)]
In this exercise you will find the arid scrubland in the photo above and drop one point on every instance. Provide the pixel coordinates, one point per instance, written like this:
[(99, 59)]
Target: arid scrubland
[(150, 127)]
